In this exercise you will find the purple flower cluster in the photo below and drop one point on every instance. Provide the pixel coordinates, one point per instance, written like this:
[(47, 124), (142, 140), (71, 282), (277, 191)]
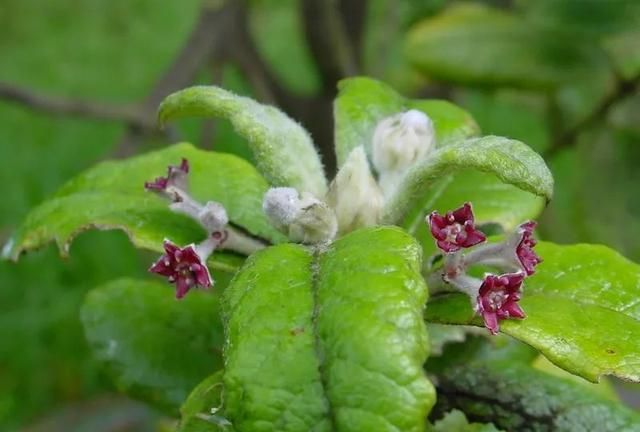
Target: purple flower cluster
[(495, 297), (186, 267)]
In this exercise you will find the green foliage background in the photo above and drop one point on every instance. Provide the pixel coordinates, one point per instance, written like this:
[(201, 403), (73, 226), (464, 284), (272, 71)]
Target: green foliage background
[(114, 51)]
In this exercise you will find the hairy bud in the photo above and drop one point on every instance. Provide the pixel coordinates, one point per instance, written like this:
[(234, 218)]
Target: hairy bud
[(304, 218), (354, 194), (398, 142)]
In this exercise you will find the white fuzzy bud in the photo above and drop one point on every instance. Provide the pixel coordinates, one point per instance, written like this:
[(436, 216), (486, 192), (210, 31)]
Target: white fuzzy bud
[(354, 194), (281, 205), (304, 219), (399, 141)]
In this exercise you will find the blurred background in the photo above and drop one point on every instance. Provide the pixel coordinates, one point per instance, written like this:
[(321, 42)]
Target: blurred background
[(80, 81)]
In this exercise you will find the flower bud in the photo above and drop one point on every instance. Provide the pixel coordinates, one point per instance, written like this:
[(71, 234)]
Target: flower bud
[(354, 194), (398, 142), (303, 218), (281, 205)]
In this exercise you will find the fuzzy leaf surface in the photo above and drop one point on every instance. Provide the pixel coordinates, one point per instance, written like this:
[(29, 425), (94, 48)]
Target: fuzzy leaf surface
[(111, 195), (583, 311), (283, 149), (157, 348), (511, 161), (304, 331)]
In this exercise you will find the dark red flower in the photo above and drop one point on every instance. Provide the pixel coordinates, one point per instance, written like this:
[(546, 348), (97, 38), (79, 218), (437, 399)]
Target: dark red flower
[(455, 230), (524, 250), (176, 177), (498, 299), (183, 267)]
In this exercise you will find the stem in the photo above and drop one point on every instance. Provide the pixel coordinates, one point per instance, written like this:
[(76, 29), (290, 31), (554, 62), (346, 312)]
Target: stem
[(466, 284), (488, 253), (241, 243)]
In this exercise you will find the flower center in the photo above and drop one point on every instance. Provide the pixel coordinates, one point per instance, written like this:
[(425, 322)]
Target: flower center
[(496, 299), (452, 232)]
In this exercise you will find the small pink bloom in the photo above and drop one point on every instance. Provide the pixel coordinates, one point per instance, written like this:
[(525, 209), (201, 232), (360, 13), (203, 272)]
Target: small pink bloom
[(176, 178), (524, 250), (455, 230), (183, 267), (498, 299)]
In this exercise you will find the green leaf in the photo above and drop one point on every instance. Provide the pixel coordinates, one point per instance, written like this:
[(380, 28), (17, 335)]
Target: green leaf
[(456, 421), (157, 348), (494, 203), (304, 332), (199, 411), (473, 44), (111, 195), (363, 102), (586, 19), (583, 311), (511, 161), (623, 50), (515, 397), (282, 148), (441, 335)]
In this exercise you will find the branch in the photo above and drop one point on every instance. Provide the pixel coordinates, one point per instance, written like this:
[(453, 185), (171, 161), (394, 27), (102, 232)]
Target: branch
[(354, 18), (204, 43), (569, 137), (328, 41), (243, 51), (130, 114)]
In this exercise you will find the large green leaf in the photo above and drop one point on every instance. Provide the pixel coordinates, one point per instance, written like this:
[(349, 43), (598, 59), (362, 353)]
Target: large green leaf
[(585, 18), (363, 102), (517, 397), (473, 44), (158, 349), (583, 311), (511, 161), (283, 150), (305, 331), (112, 196)]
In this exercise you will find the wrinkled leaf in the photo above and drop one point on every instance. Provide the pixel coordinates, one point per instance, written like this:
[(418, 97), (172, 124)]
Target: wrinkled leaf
[(363, 102), (516, 397), (511, 161), (304, 333), (111, 196), (283, 150), (583, 311), (157, 348)]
